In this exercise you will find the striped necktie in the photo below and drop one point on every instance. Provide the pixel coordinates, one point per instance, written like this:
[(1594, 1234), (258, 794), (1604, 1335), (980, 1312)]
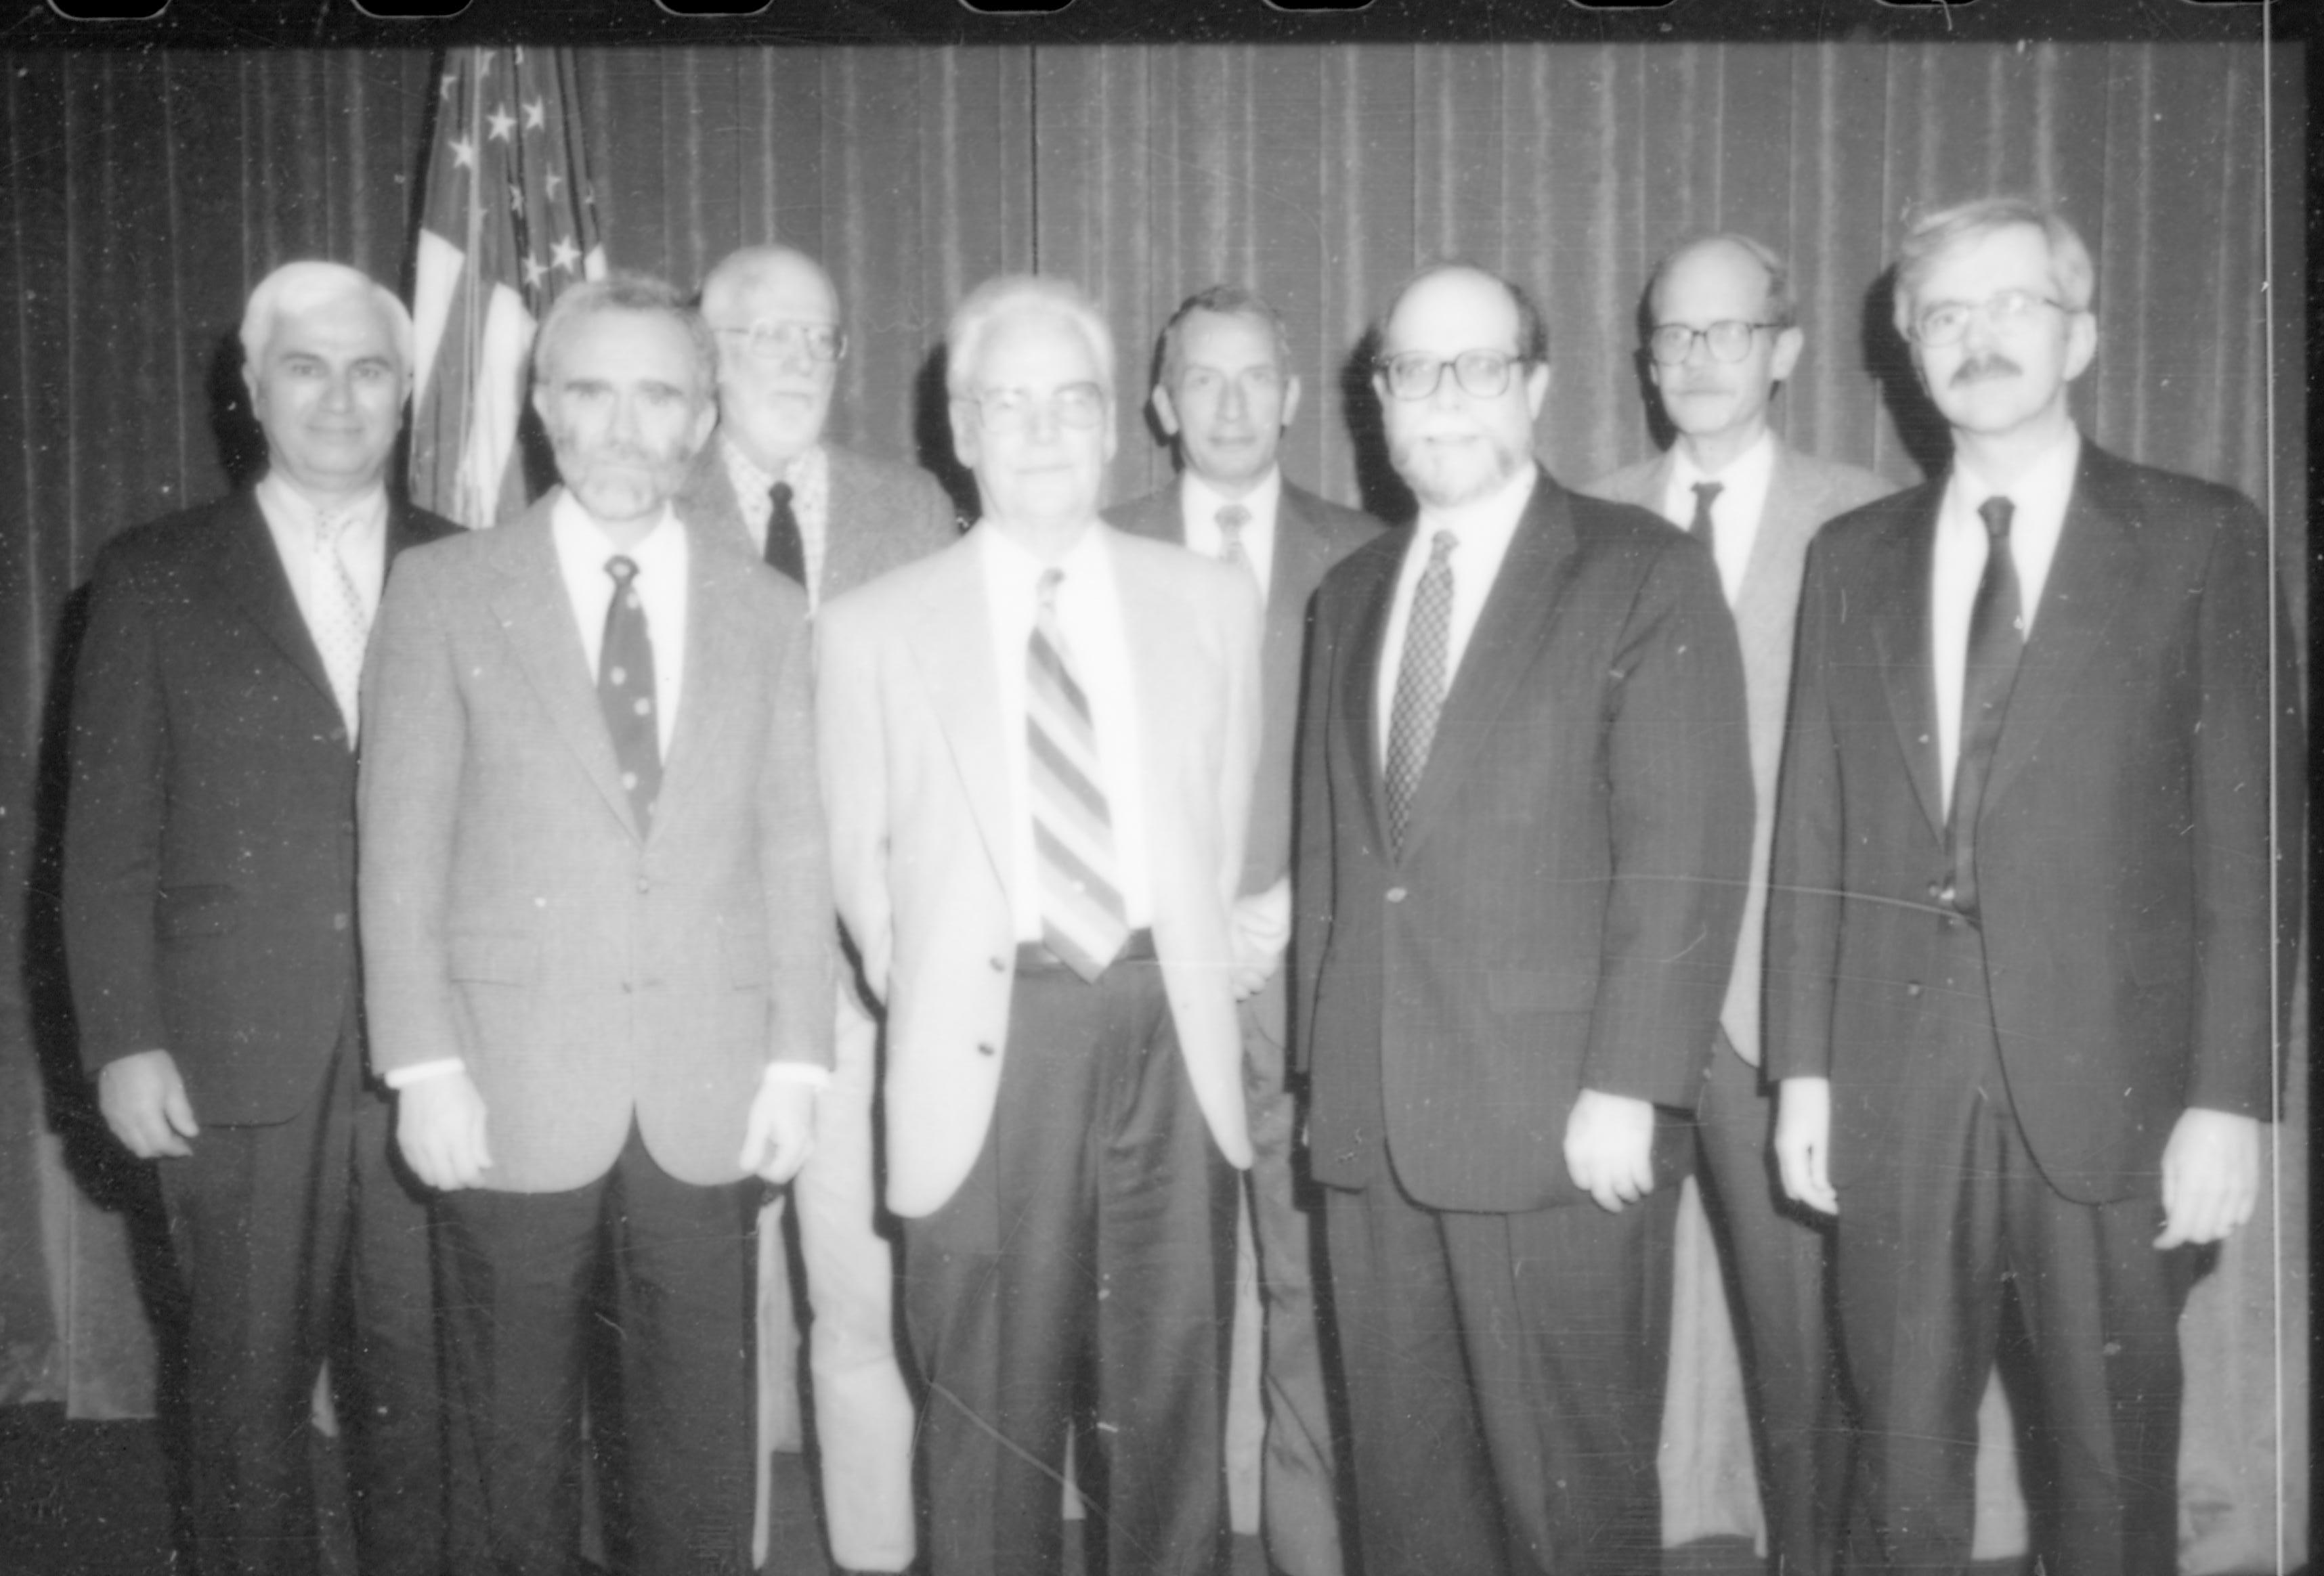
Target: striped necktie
[(1083, 921)]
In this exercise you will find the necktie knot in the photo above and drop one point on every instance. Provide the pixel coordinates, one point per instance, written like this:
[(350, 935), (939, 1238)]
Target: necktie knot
[(622, 569), (331, 526), (1440, 549), (1705, 493), (1231, 520), (1047, 590), (779, 495), (1997, 513)]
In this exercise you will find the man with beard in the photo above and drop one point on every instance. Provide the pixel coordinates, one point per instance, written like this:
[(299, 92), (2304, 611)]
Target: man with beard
[(597, 937), (2035, 902), (1721, 332), (828, 519), (1525, 824)]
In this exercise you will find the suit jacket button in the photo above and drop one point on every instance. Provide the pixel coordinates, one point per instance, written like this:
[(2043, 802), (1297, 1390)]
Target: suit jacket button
[(339, 922), (1935, 890), (998, 967), (1913, 989), (644, 884), (1396, 894), (983, 1049)]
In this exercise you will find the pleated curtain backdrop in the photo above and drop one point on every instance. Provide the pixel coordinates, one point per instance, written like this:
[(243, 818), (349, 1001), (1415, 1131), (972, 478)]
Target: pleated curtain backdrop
[(141, 195)]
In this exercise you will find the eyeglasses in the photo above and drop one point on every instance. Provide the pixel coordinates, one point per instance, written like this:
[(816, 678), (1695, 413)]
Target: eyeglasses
[(1945, 323), (1730, 339), (1076, 405), (767, 340), (1482, 374)]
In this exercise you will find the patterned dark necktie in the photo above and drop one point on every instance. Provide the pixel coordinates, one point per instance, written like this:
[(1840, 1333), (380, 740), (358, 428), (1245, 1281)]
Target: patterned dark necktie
[(1997, 638), (1084, 920), (786, 548), (1702, 527), (625, 689), (1233, 521), (1420, 683)]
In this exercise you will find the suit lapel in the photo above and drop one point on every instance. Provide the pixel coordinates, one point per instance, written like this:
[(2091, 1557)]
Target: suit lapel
[(250, 571), (952, 642), (845, 539), (1511, 630), (1782, 519), (537, 615), (1900, 628), (1359, 682), (717, 652), (2096, 561)]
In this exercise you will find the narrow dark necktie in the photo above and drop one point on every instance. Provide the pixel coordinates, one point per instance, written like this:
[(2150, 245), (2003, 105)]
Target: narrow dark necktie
[(625, 689), (1420, 682), (1997, 638), (1702, 527), (1084, 920), (786, 548), (1233, 520)]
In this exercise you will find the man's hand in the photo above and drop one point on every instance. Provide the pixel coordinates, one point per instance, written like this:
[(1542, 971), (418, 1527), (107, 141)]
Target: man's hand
[(781, 1133), (439, 1124), (1262, 926), (144, 1103), (1609, 1148), (2210, 1176), (1803, 1142)]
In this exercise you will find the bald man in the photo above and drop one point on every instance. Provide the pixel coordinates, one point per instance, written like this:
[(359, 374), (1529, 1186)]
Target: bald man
[(1720, 334), (770, 486)]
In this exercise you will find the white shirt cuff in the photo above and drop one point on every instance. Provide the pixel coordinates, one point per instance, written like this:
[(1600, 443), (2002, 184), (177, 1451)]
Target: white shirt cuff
[(420, 1071)]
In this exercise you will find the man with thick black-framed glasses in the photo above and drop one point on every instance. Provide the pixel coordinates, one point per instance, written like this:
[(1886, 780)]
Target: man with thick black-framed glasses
[(1523, 825), (1719, 331), (770, 484)]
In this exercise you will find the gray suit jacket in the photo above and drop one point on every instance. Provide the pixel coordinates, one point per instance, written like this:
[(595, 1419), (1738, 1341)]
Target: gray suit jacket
[(1802, 493), (512, 915), (1311, 535), (883, 515)]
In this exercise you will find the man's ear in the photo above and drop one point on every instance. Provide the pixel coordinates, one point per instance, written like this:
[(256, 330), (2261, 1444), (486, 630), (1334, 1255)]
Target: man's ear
[(1789, 343), (1291, 387), (1166, 411)]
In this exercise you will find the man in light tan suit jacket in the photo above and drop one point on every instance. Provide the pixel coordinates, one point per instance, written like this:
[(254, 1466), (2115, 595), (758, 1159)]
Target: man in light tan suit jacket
[(1721, 332), (1039, 747), (597, 940)]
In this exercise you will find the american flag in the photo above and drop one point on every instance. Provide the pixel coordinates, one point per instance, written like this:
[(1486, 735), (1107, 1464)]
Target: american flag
[(509, 221)]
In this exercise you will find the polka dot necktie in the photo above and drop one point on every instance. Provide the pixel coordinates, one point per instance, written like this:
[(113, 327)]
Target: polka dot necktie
[(342, 622), (625, 688)]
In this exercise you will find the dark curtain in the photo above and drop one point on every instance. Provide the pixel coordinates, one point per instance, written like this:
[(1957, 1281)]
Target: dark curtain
[(141, 196)]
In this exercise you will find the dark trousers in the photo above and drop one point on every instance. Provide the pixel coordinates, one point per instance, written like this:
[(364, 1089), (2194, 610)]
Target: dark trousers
[(274, 1228), (1083, 1271), (522, 1312), (1930, 1247), (1505, 1380), (1774, 1263)]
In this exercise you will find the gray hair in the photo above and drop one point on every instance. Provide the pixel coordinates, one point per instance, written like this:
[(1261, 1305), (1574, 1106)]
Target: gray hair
[(1934, 235), (296, 287), (1782, 310), (744, 262), (626, 292), (1227, 301), (972, 322)]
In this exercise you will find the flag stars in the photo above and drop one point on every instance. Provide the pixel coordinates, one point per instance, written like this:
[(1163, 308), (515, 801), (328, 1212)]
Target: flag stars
[(553, 182), (536, 116), (464, 154), (619, 676), (502, 121), (566, 255), (535, 273), (516, 197), (642, 706)]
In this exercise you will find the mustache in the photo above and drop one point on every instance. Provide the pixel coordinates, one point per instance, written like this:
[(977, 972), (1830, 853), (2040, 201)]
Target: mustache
[(1980, 368)]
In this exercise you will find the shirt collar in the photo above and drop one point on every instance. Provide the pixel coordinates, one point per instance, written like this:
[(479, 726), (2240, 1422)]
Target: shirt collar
[(1748, 472), (1496, 514), (581, 539), (751, 482), (281, 500), (1010, 558), (2042, 489)]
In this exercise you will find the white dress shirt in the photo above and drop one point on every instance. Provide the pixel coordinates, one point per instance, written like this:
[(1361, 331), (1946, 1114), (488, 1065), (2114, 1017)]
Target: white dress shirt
[(1089, 615), (2038, 500), (291, 518), (1199, 503), (1735, 511), (1483, 529), (662, 561), (809, 474)]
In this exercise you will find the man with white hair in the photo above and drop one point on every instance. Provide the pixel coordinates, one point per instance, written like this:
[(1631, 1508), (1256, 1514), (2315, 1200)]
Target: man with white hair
[(1039, 747), (210, 906), (770, 484)]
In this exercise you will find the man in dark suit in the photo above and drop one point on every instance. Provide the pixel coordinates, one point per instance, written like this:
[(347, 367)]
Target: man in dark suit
[(2029, 889), (770, 485), (210, 905), (1525, 824), (1721, 332), (1039, 747), (1226, 393), (597, 940)]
